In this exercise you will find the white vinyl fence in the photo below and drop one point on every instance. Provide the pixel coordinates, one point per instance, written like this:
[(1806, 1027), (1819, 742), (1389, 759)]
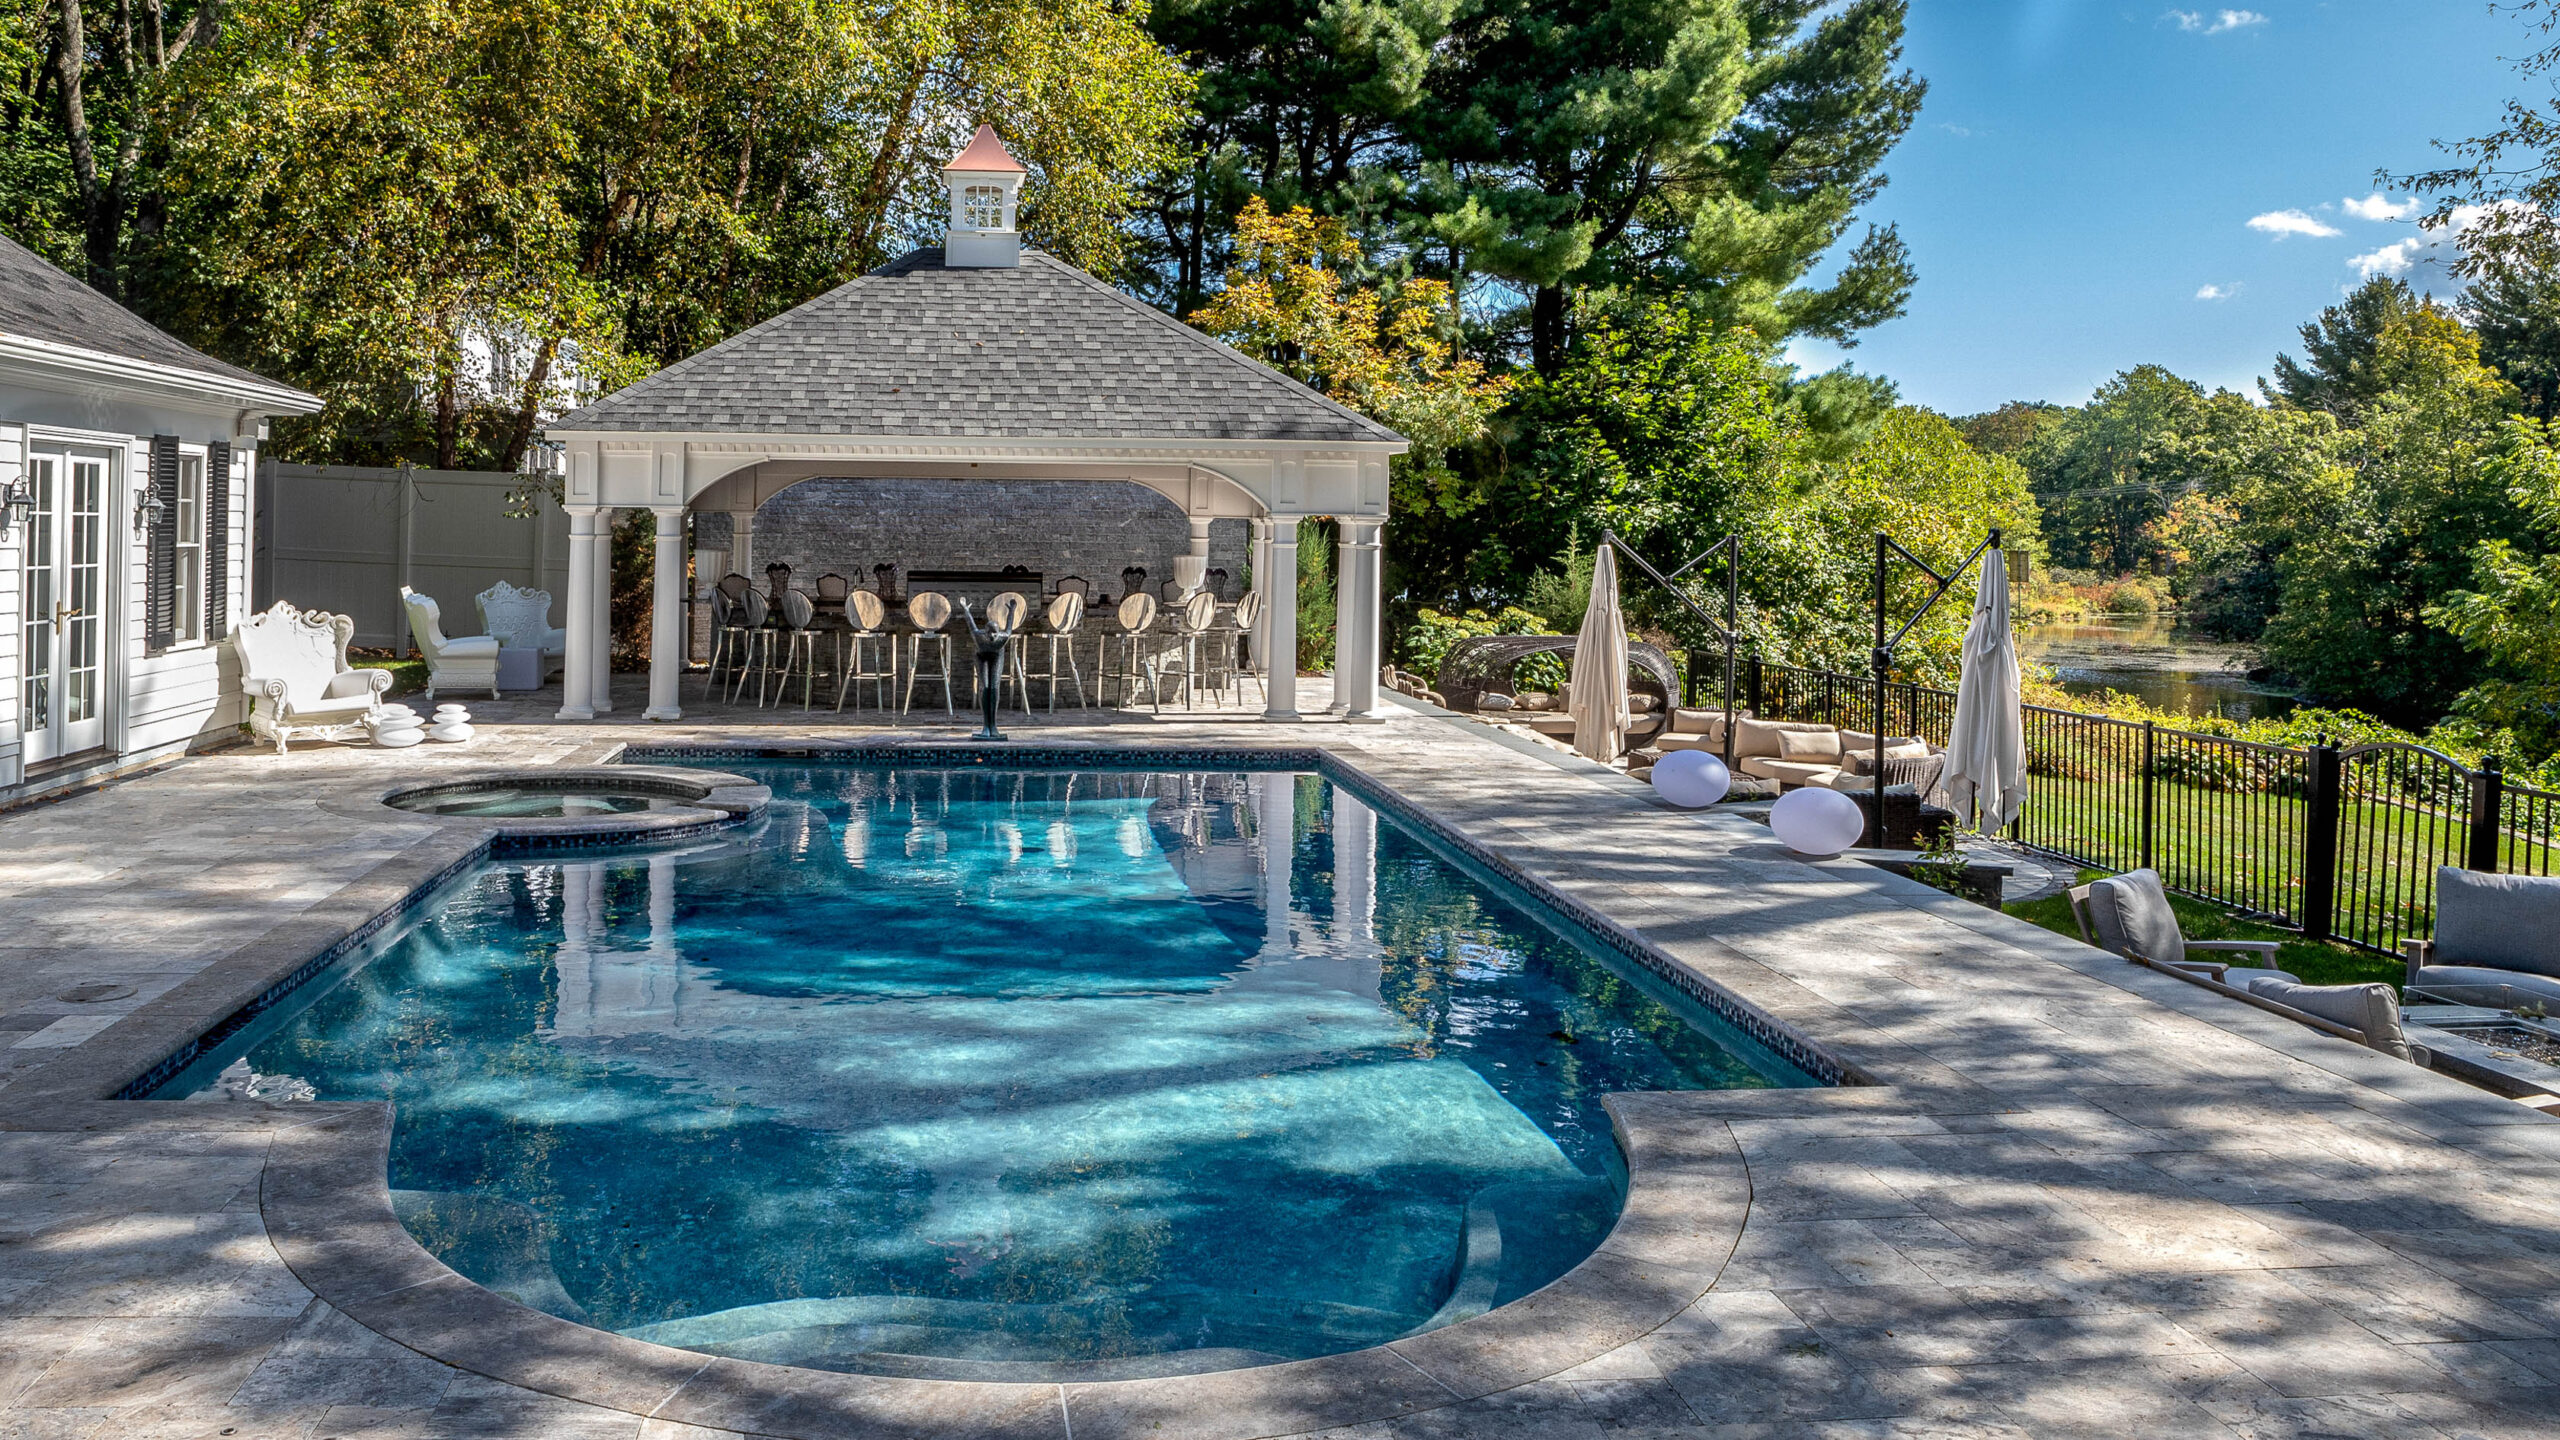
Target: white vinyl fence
[(345, 538)]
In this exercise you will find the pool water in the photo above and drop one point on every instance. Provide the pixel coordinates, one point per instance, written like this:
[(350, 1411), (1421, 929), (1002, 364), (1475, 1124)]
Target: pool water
[(1009, 1069)]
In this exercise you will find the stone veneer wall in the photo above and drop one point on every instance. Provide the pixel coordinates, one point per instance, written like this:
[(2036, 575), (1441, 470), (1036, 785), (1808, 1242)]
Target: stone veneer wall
[(1092, 528)]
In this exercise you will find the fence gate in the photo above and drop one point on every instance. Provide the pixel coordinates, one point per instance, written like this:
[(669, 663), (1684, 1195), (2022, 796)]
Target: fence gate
[(2383, 818)]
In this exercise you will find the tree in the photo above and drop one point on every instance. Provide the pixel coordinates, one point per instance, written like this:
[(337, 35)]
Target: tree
[(2501, 193), (2511, 616), (450, 219), (1390, 353), (2514, 307), (2341, 370), (2095, 474), (1709, 150), (1299, 103), (2393, 529), (2011, 428), (1917, 480)]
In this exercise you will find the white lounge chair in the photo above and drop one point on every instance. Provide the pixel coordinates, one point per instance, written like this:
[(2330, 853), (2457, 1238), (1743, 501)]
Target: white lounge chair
[(468, 662), (521, 620), (293, 664)]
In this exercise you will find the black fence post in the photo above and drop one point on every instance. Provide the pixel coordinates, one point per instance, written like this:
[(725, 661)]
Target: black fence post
[(1755, 703), (1689, 677), (2320, 845), (2487, 783), (2150, 752)]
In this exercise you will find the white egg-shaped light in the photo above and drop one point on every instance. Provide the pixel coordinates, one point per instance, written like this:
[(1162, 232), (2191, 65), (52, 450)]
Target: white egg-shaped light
[(1691, 778), (1815, 821)]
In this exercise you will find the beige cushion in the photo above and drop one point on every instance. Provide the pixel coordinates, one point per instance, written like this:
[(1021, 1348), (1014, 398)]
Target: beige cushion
[(1791, 772), (2371, 1009), (1712, 744), (1760, 737), (1687, 721), (1806, 745), (1862, 740)]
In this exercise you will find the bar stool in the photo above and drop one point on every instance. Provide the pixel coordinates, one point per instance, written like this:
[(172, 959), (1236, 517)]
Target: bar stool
[(864, 612), (728, 632), (1247, 664), (1137, 612), (930, 612), (756, 641), (1065, 614), (1191, 625), (1009, 612), (799, 615)]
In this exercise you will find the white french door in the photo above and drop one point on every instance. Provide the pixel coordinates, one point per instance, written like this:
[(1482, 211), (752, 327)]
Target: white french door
[(64, 635)]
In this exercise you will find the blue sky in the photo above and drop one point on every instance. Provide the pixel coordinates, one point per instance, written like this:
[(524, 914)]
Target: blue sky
[(2084, 169)]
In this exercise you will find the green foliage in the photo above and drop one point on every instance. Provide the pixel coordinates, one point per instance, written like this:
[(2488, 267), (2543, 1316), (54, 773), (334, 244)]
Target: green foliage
[(2511, 614), (2344, 368), (1316, 552), (2094, 473), (2392, 530), (1562, 596), (2514, 307), (1426, 642)]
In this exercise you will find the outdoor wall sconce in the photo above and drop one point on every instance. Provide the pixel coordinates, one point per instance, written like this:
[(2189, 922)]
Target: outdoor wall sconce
[(147, 506), (17, 504)]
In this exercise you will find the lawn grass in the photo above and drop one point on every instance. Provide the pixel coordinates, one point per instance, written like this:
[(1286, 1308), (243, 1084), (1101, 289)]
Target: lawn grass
[(2318, 962), (408, 677)]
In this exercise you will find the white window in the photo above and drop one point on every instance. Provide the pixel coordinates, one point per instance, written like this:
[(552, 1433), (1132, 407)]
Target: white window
[(982, 207), (189, 579)]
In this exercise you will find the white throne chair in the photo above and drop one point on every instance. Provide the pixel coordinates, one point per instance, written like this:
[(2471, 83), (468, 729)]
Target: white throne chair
[(293, 664), (521, 620), (466, 662)]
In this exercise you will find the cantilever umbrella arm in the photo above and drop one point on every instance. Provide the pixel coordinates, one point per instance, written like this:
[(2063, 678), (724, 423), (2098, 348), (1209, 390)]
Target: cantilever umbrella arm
[(1882, 658), (1728, 631)]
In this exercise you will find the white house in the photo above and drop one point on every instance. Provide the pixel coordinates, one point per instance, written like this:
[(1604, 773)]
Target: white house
[(125, 461)]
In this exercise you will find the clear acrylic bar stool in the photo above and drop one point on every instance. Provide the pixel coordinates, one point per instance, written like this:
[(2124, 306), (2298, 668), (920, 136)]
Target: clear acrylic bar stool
[(930, 612), (864, 612)]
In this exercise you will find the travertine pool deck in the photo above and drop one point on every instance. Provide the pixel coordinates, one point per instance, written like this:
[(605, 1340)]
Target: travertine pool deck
[(2079, 1198)]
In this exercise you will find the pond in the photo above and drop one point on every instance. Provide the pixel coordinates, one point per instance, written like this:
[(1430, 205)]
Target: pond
[(2153, 658)]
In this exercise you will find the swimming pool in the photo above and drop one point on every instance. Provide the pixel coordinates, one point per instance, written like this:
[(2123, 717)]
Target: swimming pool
[(952, 1068)]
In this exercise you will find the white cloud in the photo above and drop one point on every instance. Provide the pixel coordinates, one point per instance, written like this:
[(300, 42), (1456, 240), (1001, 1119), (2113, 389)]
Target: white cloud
[(2281, 223), (2219, 292), (2196, 22), (2380, 207), (2392, 259)]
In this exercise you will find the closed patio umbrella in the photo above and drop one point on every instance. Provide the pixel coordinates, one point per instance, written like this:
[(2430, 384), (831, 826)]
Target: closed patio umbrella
[(1987, 748), (1597, 694)]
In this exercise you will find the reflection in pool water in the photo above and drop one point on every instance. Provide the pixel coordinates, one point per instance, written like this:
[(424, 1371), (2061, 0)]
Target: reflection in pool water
[(1027, 1067), (2151, 658)]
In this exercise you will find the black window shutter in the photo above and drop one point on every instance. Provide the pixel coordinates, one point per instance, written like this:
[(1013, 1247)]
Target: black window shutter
[(217, 541), (160, 549)]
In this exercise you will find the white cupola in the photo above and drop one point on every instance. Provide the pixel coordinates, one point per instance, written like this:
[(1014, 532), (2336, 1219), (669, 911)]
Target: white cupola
[(985, 185)]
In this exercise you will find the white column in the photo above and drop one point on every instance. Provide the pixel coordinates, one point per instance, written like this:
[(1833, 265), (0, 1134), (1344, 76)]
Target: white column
[(666, 619), (1355, 889), (1280, 602), (1356, 606), (600, 578), (742, 547), (1258, 557), (1275, 806), (577, 670)]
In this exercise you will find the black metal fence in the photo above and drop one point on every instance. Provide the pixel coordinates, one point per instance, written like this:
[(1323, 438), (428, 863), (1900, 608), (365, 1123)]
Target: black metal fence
[(2342, 842)]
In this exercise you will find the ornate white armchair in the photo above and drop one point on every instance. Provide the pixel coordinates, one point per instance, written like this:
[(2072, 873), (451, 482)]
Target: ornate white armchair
[(467, 662), (293, 663), (521, 620)]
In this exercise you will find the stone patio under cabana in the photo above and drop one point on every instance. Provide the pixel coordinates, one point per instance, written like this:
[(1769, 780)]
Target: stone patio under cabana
[(2078, 1197)]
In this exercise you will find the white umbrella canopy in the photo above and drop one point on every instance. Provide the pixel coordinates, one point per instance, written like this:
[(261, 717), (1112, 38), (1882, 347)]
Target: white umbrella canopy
[(1987, 747), (1597, 694)]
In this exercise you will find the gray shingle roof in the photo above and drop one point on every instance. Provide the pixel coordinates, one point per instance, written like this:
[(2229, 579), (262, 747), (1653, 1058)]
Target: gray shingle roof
[(40, 302), (917, 350)]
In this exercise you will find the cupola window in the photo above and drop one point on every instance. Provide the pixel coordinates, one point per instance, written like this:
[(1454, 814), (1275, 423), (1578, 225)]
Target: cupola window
[(982, 207)]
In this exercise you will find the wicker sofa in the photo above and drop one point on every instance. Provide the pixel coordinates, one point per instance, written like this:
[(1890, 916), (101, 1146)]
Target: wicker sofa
[(1817, 754)]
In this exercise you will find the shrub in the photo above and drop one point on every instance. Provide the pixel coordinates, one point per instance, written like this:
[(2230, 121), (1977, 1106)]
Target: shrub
[(1426, 644)]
